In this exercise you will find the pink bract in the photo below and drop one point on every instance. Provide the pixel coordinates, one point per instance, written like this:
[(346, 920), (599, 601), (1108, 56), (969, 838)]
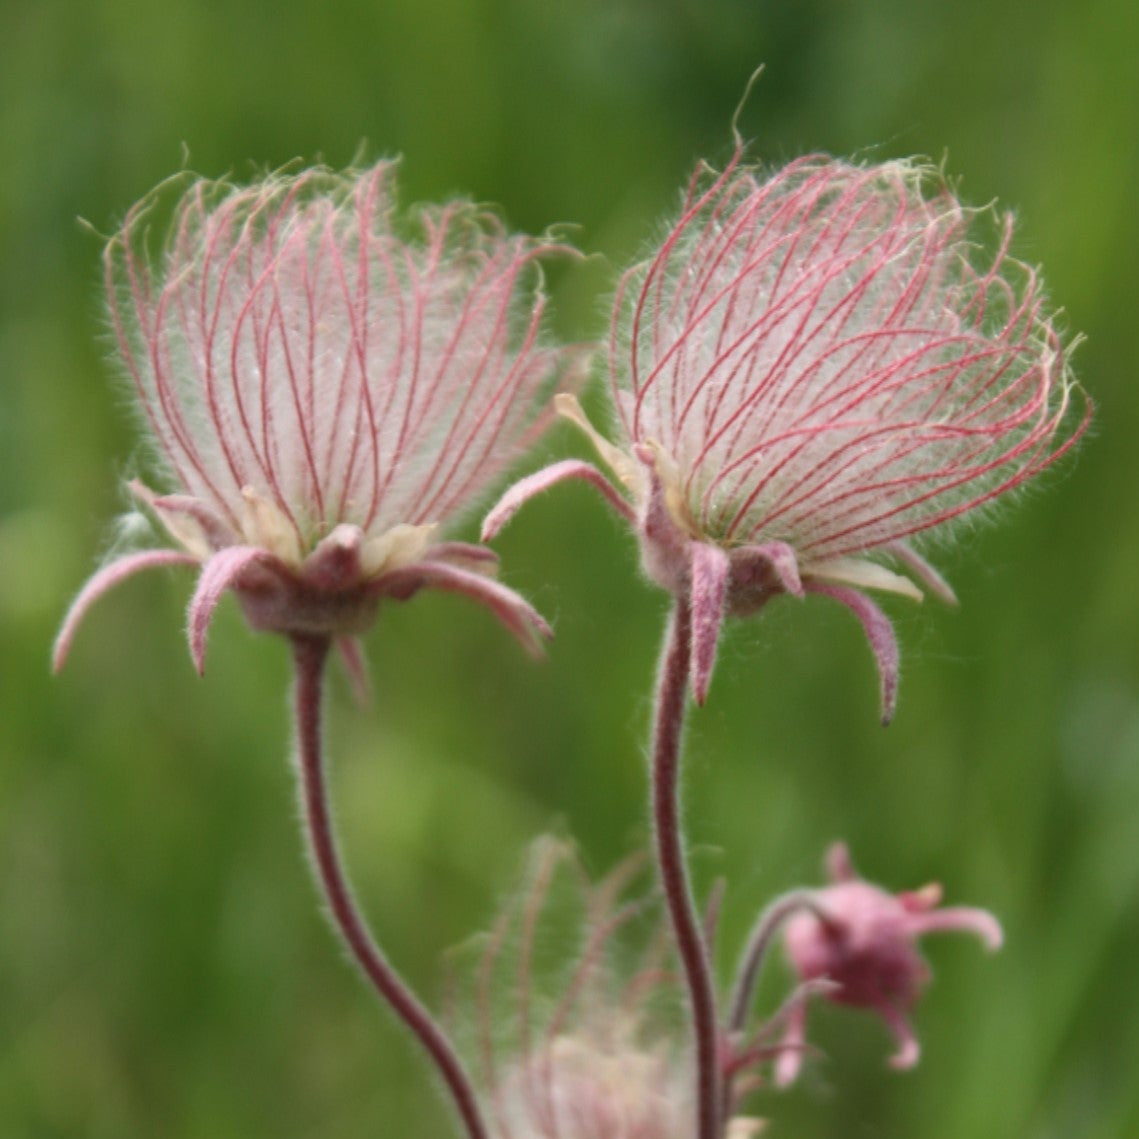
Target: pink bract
[(326, 386)]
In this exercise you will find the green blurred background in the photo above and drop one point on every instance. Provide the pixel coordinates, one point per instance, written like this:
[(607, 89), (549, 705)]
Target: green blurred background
[(163, 969)]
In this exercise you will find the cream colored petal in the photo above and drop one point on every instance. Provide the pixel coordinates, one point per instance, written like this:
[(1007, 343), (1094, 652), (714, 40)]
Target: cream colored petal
[(264, 524), (670, 479), (399, 546), (186, 530), (623, 466), (863, 574)]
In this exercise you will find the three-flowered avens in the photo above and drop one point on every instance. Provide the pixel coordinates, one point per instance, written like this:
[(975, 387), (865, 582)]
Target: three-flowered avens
[(811, 369), (328, 387)]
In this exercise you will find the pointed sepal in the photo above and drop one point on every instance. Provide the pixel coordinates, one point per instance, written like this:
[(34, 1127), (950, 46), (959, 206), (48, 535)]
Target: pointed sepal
[(664, 544), (909, 1050), (189, 521), (106, 579), (218, 574), (465, 555), (792, 1046), (337, 561), (525, 489), (880, 634), (356, 667), (614, 458), (862, 573), (520, 618), (924, 572), (839, 864), (783, 560), (759, 573), (966, 919), (709, 571)]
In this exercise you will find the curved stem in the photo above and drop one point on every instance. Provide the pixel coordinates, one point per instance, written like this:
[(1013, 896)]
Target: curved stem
[(309, 654), (767, 925), (667, 732)]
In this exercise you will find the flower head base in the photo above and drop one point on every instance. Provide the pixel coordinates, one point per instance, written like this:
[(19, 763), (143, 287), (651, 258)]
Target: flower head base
[(864, 941), (810, 370), (326, 390)]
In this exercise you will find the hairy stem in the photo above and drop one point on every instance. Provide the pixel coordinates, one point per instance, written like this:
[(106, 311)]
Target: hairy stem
[(309, 654), (668, 726), (767, 925)]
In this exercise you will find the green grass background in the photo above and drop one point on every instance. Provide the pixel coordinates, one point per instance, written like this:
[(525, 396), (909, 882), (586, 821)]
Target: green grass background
[(163, 969)]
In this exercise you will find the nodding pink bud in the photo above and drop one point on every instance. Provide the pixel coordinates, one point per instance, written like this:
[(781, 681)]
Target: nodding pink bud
[(864, 940)]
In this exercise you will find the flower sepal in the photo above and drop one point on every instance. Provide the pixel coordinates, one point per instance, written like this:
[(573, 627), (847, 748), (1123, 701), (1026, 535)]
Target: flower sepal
[(334, 591), (339, 586)]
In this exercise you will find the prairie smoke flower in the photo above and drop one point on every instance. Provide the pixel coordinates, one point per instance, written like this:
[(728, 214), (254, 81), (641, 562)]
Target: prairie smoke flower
[(813, 368), (326, 390), (864, 941)]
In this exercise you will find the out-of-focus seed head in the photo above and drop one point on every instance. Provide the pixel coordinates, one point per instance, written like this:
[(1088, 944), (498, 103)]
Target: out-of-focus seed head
[(576, 1039)]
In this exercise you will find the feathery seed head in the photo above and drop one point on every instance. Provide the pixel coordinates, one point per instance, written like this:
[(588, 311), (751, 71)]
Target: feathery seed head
[(303, 360), (326, 386), (825, 358), (813, 367)]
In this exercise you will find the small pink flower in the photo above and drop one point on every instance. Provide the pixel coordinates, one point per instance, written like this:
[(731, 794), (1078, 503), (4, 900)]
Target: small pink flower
[(864, 941), (812, 369), (326, 391)]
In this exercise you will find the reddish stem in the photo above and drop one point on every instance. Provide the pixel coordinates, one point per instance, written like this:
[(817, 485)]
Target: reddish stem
[(767, 925), (309, 654), (668, 725)]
